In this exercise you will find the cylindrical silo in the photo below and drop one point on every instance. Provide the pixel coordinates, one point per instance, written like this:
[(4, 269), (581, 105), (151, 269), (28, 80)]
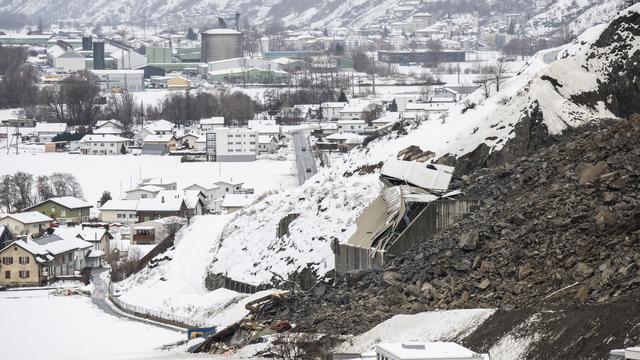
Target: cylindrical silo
[(220, 44)]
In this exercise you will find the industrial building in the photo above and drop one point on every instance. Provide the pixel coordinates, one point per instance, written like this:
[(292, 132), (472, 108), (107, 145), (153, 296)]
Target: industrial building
[(424, 56), (120, 80), (232, 144), (220, 44), (63, 57)]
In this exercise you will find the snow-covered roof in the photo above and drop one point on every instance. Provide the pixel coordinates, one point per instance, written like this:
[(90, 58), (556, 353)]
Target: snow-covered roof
[(29, 246), (29, 217), (160, 125), (70, 202), (102, 138), (203, 185), (147, 188), (190, 197), (333, 105), (160, 203), (355, 138), (237, 200), (127, 205), (92, 234), (265, 139), (356, 106), (159, 138), (51, 127), (222, 32), (62, 241), (107, 130), (426, 176), (421, 350), (101, 123), (216, 120), (355, 121)]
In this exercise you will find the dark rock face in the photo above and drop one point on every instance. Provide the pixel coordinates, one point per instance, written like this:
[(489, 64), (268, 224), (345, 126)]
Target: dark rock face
[(541, 240)]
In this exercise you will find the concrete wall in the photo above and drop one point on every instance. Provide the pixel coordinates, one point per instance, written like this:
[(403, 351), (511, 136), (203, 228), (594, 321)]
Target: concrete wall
[(437, 216), (352, 258)]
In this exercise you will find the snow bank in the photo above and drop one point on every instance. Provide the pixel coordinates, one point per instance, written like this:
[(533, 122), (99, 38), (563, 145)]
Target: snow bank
[(177, 285), (426, 327)]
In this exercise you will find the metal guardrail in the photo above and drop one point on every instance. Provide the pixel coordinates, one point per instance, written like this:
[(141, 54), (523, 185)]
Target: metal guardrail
[(155, 315)]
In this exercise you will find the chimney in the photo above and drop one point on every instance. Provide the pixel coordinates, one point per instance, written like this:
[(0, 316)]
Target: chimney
[(162, 199)]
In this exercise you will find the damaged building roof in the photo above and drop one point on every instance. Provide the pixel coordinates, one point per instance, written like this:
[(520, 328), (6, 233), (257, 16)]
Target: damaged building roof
[(434, 177)]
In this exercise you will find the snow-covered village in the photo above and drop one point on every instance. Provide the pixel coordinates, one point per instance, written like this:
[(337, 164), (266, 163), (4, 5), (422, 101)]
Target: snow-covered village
[(330, 180)]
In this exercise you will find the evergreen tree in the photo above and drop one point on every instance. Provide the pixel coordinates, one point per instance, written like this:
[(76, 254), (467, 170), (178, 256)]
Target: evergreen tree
[(123, 149), (106, 196), (342, 97), (393, 107), (191, 35)]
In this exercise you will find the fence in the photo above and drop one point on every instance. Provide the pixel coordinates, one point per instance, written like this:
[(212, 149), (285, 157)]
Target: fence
[(155, 315), (217, 281)]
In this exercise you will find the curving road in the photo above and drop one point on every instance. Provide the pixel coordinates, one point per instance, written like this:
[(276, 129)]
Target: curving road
[(304, 156)]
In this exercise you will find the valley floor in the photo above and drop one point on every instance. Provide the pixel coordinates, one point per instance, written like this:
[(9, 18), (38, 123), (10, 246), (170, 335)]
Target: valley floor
[(42, 325)]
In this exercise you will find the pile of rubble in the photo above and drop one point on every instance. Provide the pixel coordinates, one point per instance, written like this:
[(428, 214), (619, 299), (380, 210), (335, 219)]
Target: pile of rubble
[(559, 227)]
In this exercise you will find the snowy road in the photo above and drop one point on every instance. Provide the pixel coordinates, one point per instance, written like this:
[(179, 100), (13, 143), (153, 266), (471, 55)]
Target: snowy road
[(304, 157)]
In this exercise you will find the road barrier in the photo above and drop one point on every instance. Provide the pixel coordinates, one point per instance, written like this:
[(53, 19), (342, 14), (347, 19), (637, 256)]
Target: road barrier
[(155, 315)]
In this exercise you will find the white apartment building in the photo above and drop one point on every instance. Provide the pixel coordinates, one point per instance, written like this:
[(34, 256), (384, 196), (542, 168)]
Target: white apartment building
[(103, 145), (232, 144), (118, 80)]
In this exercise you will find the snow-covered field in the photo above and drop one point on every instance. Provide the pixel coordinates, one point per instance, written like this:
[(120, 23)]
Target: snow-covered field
[(37, 325), (119, 173), (177, 286)]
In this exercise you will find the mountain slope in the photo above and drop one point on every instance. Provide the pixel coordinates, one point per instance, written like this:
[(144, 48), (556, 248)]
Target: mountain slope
[(539, 102)]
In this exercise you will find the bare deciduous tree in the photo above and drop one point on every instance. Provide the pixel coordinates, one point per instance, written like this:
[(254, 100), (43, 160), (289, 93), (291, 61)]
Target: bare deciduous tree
[(498, 73)]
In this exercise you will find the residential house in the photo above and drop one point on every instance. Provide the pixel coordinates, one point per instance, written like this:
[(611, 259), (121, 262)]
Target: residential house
[(194, 199), (24, 263), (143, 192), (30, 223), (230, 187), (265, 127), (188, 141), (331, 110), (69, 252), (101, 144), (354, 110), (160, 207), (99, 237), (211, 191), (159, 144), (211, 123), (45, 132), (119, 211), (153, 231), (267, 144), (235, 202), (108, 127), (355, 126), (64, 209), (345, 141), (159, 182)]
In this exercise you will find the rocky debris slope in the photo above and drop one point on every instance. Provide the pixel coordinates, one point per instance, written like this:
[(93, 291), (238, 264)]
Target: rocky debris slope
[(558, 227)]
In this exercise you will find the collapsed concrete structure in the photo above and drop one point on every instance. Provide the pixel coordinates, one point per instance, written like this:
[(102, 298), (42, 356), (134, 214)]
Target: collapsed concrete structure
[(414, 205)]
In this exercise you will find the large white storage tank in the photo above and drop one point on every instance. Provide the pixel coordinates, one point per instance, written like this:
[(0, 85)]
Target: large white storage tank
[(220, 44)]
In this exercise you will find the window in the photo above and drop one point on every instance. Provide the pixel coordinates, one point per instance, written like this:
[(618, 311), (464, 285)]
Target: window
[(23, 260), (122, 216), (70, 257), (63, 212), (23, 274), (7, 274), (132, 216), (7, 260), (143, 196)]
